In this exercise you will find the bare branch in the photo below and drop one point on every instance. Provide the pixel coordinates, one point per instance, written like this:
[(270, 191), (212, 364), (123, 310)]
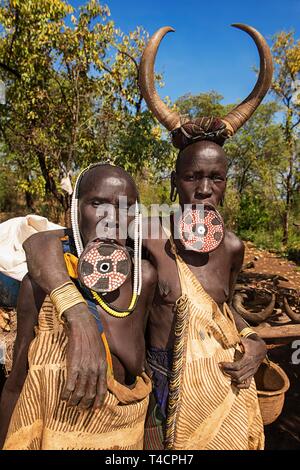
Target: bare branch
[(10, 70), (62, 91), (133, 60), (296, 124)]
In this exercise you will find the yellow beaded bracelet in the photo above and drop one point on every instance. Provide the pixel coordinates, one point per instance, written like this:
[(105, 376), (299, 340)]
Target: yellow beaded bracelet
[(247, 332), (64, 297)]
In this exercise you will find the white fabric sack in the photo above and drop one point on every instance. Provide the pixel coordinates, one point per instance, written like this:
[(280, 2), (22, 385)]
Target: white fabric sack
[(13, 233)]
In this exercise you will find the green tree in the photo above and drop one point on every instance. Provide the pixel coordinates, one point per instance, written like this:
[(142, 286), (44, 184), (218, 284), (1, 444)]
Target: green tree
[(257, 157), (286, 53), (76, 100), (203, 104)]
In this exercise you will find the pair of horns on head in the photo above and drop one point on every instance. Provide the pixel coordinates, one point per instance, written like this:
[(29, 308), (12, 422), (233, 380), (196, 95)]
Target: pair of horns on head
[(228, 125)]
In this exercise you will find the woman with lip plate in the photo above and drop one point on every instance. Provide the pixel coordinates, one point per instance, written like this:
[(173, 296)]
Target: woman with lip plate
[(203, 362), (45, 415)]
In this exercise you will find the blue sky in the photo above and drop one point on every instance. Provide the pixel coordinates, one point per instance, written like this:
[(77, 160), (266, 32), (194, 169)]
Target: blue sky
[(205, 53)]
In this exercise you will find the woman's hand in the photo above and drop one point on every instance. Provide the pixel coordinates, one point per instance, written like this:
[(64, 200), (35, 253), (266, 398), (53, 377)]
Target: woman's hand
[(243, 369), (86, 383)]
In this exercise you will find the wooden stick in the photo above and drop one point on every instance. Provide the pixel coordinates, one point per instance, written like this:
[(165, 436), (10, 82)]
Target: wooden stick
[(283, 331)]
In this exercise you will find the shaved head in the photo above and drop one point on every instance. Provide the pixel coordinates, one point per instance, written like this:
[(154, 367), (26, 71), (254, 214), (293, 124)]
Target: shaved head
[(203, 149), (91, 178)]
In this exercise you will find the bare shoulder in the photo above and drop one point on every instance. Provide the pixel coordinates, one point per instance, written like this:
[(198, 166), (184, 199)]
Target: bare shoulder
[(30, 299), (29, 286), (27, 290), (149, 273), (26, 282), (236, 249), (154, 236), (233, 243)]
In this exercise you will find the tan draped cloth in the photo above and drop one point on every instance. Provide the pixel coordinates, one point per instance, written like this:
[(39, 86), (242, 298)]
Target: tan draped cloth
[(41, 420), (206, 411)]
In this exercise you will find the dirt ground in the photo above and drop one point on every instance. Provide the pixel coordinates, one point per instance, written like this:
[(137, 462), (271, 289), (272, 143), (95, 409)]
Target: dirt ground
[(262, 268), (270, 263)]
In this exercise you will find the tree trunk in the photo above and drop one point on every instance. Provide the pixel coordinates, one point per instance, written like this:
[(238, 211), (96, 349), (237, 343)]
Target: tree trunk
[(289, 180), (286, 215), (67, 213), (51, 188), (289, 190), (29, 201), (67, 218)]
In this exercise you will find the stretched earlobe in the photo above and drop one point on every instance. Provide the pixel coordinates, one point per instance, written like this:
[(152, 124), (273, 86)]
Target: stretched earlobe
[(173, 193)]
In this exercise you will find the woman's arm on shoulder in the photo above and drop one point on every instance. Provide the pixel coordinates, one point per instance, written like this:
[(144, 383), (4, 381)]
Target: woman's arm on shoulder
[(86, 357), (45, 259)]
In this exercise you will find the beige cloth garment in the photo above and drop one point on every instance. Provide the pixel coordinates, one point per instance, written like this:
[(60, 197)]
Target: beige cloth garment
[(206, 411), (41, 420)]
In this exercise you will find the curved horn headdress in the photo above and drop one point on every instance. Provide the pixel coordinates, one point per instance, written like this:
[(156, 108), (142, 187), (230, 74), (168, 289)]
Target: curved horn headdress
[(183, 129)]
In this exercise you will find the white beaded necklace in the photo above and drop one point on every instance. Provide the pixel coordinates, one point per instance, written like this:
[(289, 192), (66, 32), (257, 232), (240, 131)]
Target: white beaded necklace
[(137, 261)]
